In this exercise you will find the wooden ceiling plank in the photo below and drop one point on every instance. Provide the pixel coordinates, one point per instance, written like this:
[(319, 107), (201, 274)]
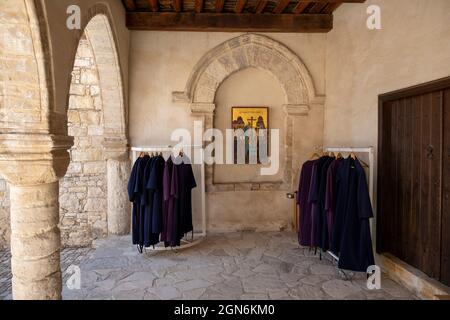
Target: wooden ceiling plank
[(177, 5), (282, 4), (261, 6), (318, 7), (301, 5), (229, 22), (219, 5), (199, 6), (331, 7), (154, 6), (240, 5), (129, 5)]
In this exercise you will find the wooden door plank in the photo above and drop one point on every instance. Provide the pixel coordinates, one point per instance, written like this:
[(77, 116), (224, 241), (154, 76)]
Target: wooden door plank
[(436, 183), (414, 223), (445, 229)]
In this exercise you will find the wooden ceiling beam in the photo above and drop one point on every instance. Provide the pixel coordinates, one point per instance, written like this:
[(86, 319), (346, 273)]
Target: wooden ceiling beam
[(154, 6), (240, 5), (282, 4), (334, 1), (129, 5), (177, 5), (261, 6), (219, 5), (229, 22), (198, 6)]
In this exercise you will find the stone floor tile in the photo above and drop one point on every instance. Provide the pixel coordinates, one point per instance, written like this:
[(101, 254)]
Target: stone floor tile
[(241, 265)]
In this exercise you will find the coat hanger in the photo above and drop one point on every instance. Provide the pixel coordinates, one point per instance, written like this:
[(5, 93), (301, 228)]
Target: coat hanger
[(315, 155)]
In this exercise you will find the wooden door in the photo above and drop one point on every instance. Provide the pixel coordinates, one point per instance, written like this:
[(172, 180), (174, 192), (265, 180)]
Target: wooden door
[(413, 218), (445, 258)]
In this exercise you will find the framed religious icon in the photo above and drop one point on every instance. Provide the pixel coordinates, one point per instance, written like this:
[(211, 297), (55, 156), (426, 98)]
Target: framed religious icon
[(250, 126)]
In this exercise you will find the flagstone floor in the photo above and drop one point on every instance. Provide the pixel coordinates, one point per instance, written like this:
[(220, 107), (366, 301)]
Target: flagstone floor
[(225, 266)]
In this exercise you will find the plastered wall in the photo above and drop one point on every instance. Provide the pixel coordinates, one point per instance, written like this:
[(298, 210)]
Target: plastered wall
[(161, 62), (413, 47)]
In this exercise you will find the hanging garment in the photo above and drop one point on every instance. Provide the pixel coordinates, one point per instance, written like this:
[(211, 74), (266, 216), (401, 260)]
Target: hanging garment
[(321, 225), (351, 231), (140, 194), (186, 182), (173, 211), (330, 198), (167, 201), (134, 198), (314, 198), (155, 189), (304, 230)]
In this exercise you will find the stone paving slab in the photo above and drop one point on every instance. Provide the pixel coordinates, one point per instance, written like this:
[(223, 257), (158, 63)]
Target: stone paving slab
[(242, 265)]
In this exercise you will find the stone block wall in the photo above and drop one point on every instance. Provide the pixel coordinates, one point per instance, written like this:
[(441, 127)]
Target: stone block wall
[(83, 190), (4, 214)]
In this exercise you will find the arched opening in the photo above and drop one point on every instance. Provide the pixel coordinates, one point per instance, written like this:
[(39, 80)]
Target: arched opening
[(96, 117)]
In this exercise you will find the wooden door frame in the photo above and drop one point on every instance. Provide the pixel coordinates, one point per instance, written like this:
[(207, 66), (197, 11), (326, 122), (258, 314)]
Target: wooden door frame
[(421, 89)]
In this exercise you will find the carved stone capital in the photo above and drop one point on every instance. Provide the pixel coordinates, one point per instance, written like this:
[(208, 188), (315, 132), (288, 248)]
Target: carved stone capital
[(32, 159), (202, 108), (296, 109)]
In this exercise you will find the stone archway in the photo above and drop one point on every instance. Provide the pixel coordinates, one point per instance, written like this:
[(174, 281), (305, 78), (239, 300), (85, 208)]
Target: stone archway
[(97, 176), (261, 52)]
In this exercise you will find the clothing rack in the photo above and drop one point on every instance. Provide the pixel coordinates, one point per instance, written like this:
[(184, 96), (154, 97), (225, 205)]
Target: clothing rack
[(197, 237), (349, 150)]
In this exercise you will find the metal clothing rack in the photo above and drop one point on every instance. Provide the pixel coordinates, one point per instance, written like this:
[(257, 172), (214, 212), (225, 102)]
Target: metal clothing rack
[(197, 237), (370, 152)]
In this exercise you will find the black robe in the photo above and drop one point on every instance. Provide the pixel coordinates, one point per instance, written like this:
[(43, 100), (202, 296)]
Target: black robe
[(351, 230), (136, 187), (155, 189), (134, 198)]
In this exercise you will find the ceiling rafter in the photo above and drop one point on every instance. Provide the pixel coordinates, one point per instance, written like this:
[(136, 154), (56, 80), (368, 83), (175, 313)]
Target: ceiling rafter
[(199, 6), (301, 5), (318, 7), (129, 5), (240, 5), (177, 5), (331, 7), (219, 5), (282, 4), (154, 6), (261, 6)]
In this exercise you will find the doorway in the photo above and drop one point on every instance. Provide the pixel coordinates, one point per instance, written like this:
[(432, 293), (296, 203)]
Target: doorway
[(414, 177)]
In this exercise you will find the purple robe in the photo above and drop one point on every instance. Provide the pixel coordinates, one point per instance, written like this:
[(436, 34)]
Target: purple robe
[(304, 230), (330, 198)]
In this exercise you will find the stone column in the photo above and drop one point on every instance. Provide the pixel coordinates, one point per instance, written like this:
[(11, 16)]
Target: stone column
[(118, 172), (33, 165)]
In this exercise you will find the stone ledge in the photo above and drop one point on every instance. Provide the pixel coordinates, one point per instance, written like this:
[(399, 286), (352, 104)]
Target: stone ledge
[(412, 278)]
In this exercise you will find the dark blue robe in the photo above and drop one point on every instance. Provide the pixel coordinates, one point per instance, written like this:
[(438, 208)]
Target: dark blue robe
[(351, 229)]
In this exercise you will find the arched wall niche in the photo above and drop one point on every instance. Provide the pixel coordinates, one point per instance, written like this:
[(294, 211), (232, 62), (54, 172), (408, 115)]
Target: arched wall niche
[(240, 53)]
